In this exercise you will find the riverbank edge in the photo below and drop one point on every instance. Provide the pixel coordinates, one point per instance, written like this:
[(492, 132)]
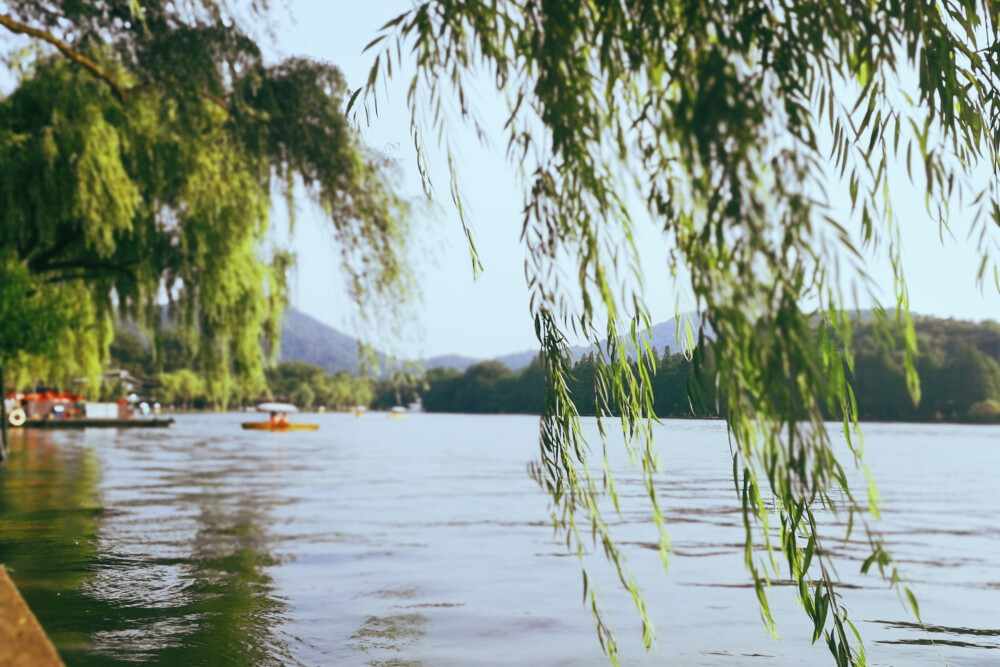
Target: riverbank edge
[(23, 642)]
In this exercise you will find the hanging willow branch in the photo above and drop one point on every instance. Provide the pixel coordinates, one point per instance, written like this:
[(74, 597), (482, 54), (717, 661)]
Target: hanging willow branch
[(727, 124)]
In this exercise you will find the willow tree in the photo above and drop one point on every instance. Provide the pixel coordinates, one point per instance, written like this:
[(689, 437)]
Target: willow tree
[(139, 154), (33, 316), (735, 127)]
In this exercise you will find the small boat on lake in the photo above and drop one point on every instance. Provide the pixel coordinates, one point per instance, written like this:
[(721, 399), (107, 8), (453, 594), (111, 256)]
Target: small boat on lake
[(398, 412), (65, 410), (279, 419), (85, 422)]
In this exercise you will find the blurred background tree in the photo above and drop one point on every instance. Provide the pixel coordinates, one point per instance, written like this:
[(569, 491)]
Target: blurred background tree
[(138, 157), (35, 320)]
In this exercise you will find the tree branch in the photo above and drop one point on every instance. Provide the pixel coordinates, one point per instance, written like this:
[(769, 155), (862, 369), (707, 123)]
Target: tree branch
[(67, 277), (123, 94), (89, 270), (37, 261), (68, 51)]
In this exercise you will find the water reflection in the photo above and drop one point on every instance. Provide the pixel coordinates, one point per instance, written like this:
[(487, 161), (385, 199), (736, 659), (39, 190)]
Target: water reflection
[(383, 639), (50, 512), (386, 542), (166, 564), (933, 635)]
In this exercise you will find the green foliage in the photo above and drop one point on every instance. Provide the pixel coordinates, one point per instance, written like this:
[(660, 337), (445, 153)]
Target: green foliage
[(183, 387), (957, 365), (344, 391), (986, 412), (491, 387), (128, 350), (306, 386), (303, 396), (729, 121), (138, 159), (400, 387), (34, 316), (45, 330)]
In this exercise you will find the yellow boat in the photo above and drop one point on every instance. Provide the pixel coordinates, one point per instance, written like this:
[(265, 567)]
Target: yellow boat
[(278, 423), (268, 426)]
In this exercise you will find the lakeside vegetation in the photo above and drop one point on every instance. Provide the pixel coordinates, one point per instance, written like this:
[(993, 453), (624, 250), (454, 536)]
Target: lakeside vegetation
[(173, 379), (958, 365)]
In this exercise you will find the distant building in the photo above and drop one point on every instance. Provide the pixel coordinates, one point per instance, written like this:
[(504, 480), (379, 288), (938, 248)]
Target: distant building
[(129, 383)]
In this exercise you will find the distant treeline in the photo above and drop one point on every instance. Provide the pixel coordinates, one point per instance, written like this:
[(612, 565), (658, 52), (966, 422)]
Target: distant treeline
[(490, 387), (957, 364), (958, 369), (172, 381)]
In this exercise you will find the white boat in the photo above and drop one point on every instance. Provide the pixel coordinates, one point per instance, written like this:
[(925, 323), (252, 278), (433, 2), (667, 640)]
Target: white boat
[(284, 408)]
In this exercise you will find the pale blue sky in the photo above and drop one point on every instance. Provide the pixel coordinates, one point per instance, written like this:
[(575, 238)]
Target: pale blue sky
[(489, 316)]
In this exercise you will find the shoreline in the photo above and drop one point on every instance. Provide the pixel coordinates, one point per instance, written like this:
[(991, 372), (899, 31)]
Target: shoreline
[(23, 642)]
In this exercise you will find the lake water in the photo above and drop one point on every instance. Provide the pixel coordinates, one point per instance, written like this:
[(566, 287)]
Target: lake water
[(423, 541)]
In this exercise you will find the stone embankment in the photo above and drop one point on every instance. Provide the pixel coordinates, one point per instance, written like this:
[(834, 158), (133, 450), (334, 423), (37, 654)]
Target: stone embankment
[(23, 643)]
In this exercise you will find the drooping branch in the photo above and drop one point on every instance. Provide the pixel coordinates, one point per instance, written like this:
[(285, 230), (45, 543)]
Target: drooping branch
[(123, 94), (90, 269), (214, 99), (68, 51), (38, 262), (74, 277)]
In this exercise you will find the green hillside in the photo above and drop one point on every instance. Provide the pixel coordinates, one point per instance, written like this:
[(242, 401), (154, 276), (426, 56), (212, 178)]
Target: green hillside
[(304, 338)]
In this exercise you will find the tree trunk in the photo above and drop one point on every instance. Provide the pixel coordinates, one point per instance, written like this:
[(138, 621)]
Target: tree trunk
[(3, 418)]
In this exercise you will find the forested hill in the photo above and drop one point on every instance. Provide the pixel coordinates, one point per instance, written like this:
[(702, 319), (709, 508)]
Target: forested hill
[(304, 338), (958, 365)]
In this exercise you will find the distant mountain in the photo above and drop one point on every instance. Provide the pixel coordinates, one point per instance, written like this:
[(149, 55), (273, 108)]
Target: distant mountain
[(662, 335), (523, 359), (512, 361), (455, 361), (304, 338)]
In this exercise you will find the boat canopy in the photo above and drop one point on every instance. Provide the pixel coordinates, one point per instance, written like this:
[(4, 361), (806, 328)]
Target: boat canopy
[(276, 407)]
